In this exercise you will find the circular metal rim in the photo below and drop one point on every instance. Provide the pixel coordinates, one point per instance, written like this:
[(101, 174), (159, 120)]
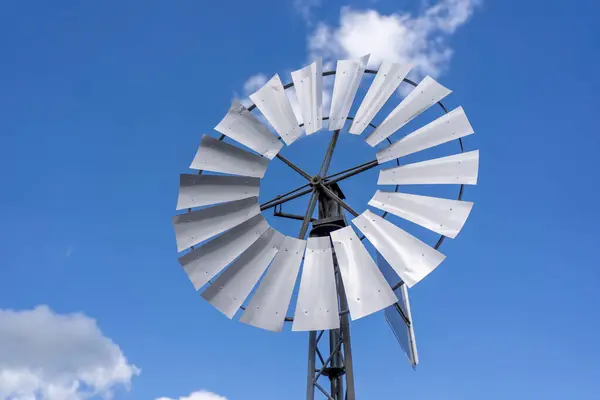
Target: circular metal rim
[(460, 193)]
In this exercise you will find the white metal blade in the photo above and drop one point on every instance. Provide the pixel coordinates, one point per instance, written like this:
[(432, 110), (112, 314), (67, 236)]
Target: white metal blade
[(197, 226), (451, 126), (317, 306), (412, 259), (203, 263), (387, 80), (366, 289), (270, 302), (426, 94), (347, 79), (216, 156), (308, 82), (443, 216), (457, 169), (399, 316), (230, 289), (273, 103), (203, 190), (409, 328), (243, 127)]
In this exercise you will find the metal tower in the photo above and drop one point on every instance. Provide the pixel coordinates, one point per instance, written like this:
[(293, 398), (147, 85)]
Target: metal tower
[(245, 265)]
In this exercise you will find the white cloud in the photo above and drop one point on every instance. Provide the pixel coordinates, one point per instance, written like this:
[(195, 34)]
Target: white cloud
[(254, 83), (419, 40), (201, 395), (51, 356), (305, 8)]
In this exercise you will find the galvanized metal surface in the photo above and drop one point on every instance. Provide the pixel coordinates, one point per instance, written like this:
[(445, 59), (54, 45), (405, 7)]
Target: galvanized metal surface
[(451, 126), (308, 83), (240, 125), (399, 315), (206, 261), (268, 306), (457, 169), (232, 287), (317, 306), (347, 79), (412, 259), (216, 156), (202, 190), (370, 72), (366, 289), (387, 80), (197, 226), (426, 94), (442, 216), (274, 104), (403, 332)]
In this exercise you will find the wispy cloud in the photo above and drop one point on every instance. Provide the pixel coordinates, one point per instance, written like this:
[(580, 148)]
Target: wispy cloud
[(420, 40), (254, 83), (200, 395), (305, 8)]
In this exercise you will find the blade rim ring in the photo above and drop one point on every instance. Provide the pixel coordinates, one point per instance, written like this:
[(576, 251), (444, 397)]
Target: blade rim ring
[(372, 72)]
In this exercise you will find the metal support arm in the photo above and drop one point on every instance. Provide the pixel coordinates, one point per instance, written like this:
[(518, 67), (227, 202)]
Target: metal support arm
[(291, 195), (277, 201), (357, 170), (334, 197), (294, 166), (329, 155), (282, 214)]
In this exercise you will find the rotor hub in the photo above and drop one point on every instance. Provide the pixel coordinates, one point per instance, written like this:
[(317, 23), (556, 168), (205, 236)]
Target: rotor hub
[(315, 180)]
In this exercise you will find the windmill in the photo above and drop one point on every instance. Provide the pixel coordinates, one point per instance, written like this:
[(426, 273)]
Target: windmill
[(244, 264)]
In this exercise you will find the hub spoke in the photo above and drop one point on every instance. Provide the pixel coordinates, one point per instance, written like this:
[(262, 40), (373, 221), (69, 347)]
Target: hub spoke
[(309, 212), (284, 195), (341, 202), (329, 155), (275, 202), (348, 170), (294, 166), (351, 172)]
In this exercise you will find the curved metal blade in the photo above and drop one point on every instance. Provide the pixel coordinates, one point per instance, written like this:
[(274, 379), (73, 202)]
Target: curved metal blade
[(203, 263), (442, 216), (457, 169), (270, 302), (399, 316), (317, 306), (273, 103), (216, 156), (347, 79), (451, 126), (230, 289), (366, 289), (197, 226), (403, 329), (243, 127), (427, 93), (308, 83), (412, 259), (387, 80), (204, 190)]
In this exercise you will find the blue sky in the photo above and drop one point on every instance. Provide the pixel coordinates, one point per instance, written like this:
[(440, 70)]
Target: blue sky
[(103, 105)]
